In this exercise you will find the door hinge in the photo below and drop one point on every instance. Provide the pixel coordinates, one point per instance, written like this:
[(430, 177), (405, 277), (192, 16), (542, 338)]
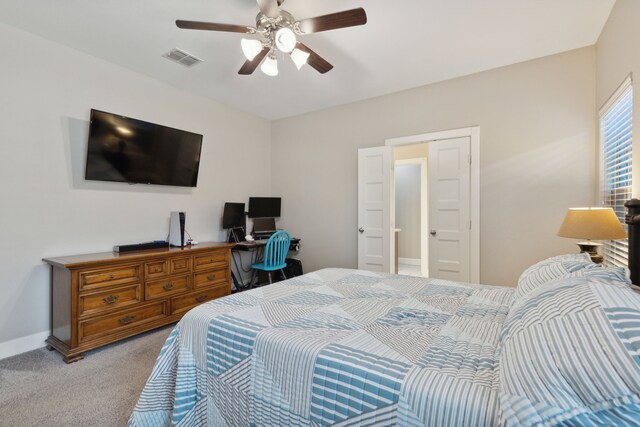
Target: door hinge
[(469, 225), (469, 158)]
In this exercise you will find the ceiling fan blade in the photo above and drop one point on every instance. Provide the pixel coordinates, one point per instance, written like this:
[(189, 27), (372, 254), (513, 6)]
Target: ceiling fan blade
[(212, 26), (315, 60), (348, 18), (269, 8), (250, 66)]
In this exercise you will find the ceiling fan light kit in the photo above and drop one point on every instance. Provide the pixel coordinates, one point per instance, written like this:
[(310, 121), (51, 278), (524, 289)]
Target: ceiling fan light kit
[(280, 32)]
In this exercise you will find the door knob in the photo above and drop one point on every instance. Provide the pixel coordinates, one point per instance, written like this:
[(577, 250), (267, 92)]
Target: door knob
[(433, 232), (361, 230)]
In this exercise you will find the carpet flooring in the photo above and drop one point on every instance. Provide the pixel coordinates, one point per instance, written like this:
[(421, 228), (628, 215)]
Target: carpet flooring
[(37, 388)]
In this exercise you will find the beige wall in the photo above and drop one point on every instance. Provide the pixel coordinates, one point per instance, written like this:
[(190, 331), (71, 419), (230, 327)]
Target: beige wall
[(48, 209), (537, 124), (618, 54)]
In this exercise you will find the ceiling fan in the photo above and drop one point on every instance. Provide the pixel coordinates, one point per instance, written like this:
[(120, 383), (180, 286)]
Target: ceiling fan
[(279, 30)]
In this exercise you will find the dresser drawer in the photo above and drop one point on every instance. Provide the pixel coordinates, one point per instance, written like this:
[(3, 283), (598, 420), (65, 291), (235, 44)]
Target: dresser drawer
[(156, 269), (109, 277), (184, 303), (100, 302), (208, 278), (114, 323), (179, 265), (169, 286), (210, 260)]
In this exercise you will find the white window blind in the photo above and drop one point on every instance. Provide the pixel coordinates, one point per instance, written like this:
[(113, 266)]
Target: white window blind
[(615, 142)]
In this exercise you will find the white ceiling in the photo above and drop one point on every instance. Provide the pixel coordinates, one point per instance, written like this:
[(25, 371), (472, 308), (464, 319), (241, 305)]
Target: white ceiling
[(405, 44)]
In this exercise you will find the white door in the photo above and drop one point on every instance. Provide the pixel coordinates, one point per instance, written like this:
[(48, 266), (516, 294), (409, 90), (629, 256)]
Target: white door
[(449, 209), (375, 250)]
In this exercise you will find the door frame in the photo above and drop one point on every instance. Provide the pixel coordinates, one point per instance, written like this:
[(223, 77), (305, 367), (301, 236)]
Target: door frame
[(473, 133), (424, 212)]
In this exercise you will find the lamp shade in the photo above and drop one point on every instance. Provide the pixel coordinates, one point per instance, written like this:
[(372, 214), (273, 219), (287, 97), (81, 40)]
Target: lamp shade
[(592, 224), (251, 48), (299, 57), (270, 66), (285, 40)]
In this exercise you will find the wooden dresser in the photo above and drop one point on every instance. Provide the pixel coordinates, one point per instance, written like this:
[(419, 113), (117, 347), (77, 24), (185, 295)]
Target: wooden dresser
[(97, 299)]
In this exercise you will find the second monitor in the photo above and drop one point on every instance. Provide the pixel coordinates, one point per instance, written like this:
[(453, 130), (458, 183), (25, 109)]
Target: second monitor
[(264, 207), (233, 215)]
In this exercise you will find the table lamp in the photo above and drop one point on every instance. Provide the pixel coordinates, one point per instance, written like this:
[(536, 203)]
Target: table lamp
[(592, 224)]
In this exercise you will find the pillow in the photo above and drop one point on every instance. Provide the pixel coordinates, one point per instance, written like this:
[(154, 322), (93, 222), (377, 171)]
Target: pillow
[(549, 269), (574, 256), (620, 275), (570, 354), (612, 274)]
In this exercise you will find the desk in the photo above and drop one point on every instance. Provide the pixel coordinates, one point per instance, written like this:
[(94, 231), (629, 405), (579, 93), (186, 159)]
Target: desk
[(249, 246), (257, 244), (256, 248)]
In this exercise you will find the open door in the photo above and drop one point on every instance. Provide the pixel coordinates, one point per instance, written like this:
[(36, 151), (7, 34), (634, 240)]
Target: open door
[(375, 251), (449, 209)]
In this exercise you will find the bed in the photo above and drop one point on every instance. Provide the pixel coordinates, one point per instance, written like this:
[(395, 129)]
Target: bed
[(355, 348)]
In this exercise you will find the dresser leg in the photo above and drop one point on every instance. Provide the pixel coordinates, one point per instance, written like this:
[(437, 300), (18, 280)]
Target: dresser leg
[(74, 358)]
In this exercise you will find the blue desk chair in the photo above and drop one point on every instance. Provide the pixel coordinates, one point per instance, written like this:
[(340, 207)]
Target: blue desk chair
[(275, 254)]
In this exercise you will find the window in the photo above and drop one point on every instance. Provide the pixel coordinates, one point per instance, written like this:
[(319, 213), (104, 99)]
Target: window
[(615, 153)]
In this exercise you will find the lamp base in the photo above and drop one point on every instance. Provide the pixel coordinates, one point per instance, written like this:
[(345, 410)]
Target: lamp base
[(592, 249)]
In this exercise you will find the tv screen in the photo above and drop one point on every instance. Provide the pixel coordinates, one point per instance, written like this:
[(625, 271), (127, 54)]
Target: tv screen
[(264, 207), (233, 215), (123, 149)]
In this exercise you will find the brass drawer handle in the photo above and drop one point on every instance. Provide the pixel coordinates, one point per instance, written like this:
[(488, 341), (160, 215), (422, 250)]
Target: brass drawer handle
[(211, 277), (110, 299), (127, 319), (168, 286), (202, 298)]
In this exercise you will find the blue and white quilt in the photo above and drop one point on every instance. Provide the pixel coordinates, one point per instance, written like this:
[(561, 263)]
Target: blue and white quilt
[(334, 347)]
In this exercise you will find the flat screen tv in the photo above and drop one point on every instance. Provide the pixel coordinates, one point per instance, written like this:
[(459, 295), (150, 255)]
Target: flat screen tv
[(123, 149), (264, 207)]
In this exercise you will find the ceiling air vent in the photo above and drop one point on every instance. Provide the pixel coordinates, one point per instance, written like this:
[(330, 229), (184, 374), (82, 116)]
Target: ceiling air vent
[(182, 57)]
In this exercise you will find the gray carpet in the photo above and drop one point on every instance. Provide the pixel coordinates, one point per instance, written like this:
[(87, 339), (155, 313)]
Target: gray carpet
[(37, 388)]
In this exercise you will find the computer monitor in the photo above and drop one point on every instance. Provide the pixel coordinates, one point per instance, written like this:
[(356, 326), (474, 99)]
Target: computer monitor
[(233, 215), (264, 207)]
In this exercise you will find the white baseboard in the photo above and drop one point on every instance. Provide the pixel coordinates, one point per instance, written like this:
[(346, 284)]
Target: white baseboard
[(23, 344), (409, 261)]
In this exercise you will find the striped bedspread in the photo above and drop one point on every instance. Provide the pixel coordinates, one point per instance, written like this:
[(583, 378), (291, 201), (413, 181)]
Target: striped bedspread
[(334, 347)]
